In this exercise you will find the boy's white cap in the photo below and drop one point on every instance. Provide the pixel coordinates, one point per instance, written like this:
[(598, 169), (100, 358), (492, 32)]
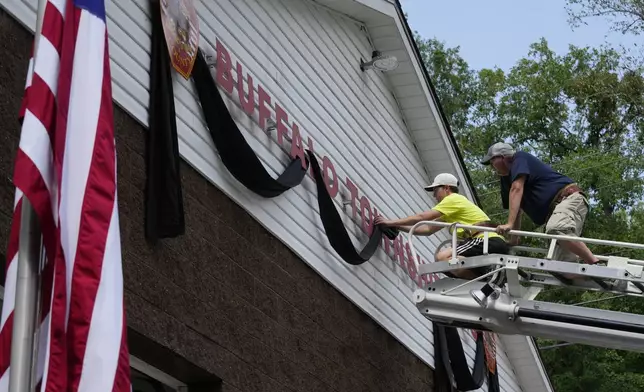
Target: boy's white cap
[(442, 180)]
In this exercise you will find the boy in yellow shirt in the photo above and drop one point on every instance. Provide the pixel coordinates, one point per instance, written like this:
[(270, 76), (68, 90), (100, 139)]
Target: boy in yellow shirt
[(453, 208)]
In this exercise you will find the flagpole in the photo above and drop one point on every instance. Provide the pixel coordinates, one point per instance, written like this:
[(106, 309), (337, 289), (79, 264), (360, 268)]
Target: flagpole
[(23, 349), (27, 298)]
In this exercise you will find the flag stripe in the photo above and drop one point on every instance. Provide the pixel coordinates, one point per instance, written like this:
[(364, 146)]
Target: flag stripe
[(43, 334), (82, 122), (35, 146), (4, 381), (90, 194), (46, 111), (104, 333), (122, 376), (60, 6), (11, 268), (9, 295), (5, 340), (55, 368), (47, 64), (36, 190), (23, 104)]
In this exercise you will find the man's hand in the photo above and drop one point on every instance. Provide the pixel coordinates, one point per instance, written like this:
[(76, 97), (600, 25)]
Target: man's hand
[(380, 220), (502, 229)]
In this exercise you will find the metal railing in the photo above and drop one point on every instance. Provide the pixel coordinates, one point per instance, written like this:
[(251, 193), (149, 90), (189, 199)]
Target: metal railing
[(486, 230)]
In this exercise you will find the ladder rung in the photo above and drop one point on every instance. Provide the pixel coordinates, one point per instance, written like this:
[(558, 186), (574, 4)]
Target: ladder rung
[(602, 283), (561, 278), (639, 286)]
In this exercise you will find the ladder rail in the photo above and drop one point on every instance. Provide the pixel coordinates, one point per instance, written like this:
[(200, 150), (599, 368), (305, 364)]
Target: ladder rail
[(531, 249), (519, 233)]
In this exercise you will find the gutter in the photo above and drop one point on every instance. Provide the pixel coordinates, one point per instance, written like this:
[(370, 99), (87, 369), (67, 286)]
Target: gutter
[(432, 89), (537, 353)]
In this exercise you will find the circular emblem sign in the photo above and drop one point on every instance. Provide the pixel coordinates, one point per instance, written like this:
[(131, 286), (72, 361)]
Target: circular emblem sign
[(181, 30)]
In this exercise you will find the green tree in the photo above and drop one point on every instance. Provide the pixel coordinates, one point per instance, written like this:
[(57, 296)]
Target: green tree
[(581, 112)]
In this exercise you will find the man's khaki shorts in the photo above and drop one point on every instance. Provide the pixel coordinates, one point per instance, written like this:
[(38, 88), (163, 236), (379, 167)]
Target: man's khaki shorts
[(568, 218)]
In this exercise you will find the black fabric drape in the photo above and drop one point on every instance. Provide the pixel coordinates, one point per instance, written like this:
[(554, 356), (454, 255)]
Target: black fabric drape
[(236, 154), (453, 356), (164, 214), (493, 381), (334, 227)]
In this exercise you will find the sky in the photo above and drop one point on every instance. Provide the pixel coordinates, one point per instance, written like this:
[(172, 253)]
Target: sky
[(498, 32)]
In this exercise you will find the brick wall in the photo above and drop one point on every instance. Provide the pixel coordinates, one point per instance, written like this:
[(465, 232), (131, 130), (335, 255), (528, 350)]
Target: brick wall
[(227, 297)]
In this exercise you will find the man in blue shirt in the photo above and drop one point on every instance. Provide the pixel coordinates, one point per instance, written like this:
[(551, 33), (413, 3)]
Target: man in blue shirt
[(546, 196)]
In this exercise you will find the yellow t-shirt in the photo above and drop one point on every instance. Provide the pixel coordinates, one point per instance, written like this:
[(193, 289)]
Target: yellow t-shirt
[(457, 208)]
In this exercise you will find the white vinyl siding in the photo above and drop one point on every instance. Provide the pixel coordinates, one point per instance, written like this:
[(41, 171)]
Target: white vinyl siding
[(307, 58)]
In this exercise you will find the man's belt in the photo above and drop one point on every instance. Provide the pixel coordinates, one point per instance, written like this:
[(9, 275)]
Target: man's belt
[(563, 193)]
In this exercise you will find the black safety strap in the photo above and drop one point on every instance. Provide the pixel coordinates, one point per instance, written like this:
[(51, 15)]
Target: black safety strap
[(493, 373), (443, 375), (466, 380), (493, 381), (164, 214), (235, 152), (334, 227), (452, 355)]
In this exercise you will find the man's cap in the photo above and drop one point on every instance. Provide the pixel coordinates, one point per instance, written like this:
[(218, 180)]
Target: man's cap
[(497, 150), (442, 180)]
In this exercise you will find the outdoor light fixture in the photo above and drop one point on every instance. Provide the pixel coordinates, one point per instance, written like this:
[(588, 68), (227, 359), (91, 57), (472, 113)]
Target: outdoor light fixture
[(488, 291), (379, 62)]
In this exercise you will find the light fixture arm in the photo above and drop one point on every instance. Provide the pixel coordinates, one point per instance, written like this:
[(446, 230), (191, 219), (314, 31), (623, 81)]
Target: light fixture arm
[(379, 62)]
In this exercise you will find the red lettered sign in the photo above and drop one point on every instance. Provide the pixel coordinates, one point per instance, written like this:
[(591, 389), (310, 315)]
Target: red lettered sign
[(181, 30)]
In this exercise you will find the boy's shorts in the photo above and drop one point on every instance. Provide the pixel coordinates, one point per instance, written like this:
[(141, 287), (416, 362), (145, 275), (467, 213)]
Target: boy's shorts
[(474, 247)]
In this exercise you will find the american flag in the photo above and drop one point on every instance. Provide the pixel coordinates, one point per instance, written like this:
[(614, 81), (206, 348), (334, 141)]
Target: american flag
[(66, 167)]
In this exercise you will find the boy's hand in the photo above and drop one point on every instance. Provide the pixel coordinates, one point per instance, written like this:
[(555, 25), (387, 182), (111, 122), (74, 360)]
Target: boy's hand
[(380, 220)]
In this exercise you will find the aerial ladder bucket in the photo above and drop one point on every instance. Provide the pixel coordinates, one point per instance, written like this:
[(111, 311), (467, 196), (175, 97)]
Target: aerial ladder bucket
[(502, 300)]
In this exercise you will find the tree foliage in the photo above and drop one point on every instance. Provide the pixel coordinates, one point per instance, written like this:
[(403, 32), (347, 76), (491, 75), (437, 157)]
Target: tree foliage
[(581, 112), (626, 16)]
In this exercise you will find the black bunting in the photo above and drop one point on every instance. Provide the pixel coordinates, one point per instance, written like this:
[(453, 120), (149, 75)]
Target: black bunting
[(164, 214), (334, 227), (451, 360), (235, 152)]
